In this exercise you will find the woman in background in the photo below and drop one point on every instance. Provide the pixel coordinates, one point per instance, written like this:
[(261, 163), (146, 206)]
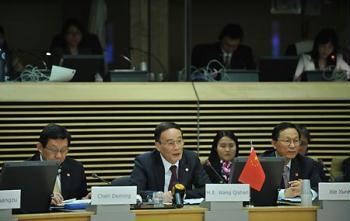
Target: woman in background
[(224, 148), (324, 56)]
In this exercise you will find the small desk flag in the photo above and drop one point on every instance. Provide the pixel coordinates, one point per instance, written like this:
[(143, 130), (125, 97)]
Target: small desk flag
[(253, 173)]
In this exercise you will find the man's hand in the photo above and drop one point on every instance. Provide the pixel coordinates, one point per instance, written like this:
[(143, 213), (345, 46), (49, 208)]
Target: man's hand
[(294, 189), (168, 197), (56, 199)]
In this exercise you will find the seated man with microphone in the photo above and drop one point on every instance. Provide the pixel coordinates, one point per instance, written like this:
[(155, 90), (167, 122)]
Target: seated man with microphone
[(169, 164), (71, 181)]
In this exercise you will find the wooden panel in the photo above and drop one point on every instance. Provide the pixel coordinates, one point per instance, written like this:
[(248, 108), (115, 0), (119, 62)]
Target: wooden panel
[(112, 123)]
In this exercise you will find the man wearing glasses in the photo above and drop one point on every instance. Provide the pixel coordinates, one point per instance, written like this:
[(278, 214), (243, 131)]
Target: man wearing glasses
[(285, 142), (168, 164), (53, 144)]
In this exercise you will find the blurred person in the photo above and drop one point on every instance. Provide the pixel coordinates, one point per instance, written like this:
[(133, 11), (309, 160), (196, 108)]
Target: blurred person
[(324, 56), (305, 139), (224, 148), (229, 50)]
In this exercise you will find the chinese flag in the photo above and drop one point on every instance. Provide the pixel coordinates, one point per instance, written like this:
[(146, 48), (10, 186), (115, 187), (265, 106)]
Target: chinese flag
[(253, 173)]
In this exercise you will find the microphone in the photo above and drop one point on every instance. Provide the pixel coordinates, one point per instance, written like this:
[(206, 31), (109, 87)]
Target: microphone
[(178, 192), (221, 179), (94, 175), (152, 55), (128, 60)]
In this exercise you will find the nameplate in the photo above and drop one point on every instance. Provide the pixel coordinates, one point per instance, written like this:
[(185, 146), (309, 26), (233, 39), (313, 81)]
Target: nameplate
[(113, 195), (334, 191), (10, 199), (227, 192)]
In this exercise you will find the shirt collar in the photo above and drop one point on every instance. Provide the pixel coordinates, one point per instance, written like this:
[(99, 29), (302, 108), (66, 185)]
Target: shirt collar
[(167, 164), (289, 161)]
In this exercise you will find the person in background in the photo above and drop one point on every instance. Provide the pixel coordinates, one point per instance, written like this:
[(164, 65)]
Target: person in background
[(229, 50), (6, 53), (346, 170), (285, 142), (225, 147), (305, 139), (168, 164), (74, 40), (324, 56), (54, 144)]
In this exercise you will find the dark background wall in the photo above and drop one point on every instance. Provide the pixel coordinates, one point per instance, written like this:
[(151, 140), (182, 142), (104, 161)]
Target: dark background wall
[(30, 25)]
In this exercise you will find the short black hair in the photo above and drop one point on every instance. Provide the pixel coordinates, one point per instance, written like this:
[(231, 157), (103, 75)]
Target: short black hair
[(163, 127), (303, 131), (281, 127), (233, 31), (213, 156), (53, 131)]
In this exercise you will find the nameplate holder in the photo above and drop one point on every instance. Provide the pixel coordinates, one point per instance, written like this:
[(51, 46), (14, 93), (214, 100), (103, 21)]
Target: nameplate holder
[(334, 191), (113, 195), (10, 199), (227, 192)]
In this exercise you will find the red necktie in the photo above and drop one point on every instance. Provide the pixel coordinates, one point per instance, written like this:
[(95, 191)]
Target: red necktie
[(173, 178)]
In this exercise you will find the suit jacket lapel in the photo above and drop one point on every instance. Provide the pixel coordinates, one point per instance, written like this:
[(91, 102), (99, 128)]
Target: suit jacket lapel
[(183, 171), (159, 170), (294, 170)]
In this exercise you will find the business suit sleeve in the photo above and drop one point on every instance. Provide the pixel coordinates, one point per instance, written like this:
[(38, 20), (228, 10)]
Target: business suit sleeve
[(200, 178), (314, 176), (138, 175)]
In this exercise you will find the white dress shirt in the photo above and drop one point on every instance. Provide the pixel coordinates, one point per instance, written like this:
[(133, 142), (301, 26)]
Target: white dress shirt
[(167, 172)]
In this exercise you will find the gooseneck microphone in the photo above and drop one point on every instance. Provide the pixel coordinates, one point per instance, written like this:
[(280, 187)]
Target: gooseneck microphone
[(94, 175), (178, 192), (221, 179)]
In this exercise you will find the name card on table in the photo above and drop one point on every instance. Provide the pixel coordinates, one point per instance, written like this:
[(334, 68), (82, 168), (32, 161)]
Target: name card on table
[(227, 192), (113, 195), (10, 199), (334, 191)]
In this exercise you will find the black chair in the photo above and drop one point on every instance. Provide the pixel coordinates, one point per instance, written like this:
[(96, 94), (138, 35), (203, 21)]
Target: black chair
[(122, 181)]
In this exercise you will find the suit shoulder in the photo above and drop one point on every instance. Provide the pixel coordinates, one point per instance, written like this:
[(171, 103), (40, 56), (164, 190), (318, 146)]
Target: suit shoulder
[(190, 154), (72, 162)]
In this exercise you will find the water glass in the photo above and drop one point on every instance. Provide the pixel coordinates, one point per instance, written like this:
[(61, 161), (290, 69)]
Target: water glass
[(158, 199), (306, 195)]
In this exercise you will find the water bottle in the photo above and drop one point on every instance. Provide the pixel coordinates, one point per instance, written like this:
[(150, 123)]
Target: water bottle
[(306, 195)]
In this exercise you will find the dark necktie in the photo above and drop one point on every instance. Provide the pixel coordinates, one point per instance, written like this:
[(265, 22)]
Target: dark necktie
[(286, 176), (173, 178)]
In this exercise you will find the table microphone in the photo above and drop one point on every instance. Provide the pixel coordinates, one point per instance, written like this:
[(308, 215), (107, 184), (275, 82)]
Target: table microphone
[(207, 162), (94, 175), (178, 192)]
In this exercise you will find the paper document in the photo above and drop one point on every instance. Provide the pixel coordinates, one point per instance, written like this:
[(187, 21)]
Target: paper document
[(61, 74), (193, 201)]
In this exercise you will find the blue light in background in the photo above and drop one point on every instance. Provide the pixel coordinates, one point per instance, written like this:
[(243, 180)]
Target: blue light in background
[(275, 40)]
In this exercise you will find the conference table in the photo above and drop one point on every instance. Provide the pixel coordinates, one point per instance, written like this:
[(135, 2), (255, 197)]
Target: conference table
[(193, 213)]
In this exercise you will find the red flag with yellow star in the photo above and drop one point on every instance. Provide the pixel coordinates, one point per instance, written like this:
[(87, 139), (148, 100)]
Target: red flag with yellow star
[(253, 173)]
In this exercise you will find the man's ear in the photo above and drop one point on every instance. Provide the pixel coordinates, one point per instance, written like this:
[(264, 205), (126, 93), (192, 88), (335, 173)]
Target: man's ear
[(157, 145), (273, 142), (39, 147)]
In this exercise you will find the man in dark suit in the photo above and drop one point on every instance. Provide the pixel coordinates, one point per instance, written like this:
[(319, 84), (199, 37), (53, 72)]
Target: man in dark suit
[(168, 164), (285, 141), (228, 51), (71, 181)]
